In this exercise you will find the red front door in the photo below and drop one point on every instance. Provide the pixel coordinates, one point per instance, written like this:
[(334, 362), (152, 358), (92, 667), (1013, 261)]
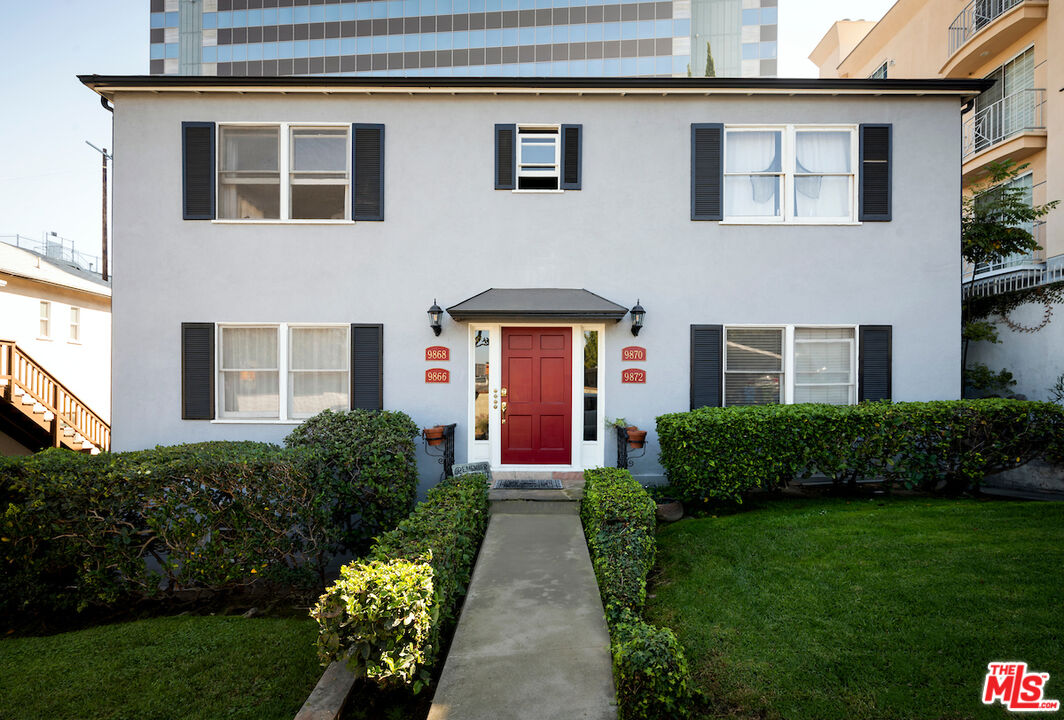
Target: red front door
[(537, 372)]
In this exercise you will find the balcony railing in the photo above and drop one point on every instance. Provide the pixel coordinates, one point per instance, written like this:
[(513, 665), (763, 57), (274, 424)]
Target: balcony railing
[(1019, 260), (1021, 111), (1009, 282), (974, 17)]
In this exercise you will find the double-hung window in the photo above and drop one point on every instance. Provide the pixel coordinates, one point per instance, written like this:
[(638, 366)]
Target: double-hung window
[(769, 365), (538, 157), (75, 324), (46, 319), (284, 172), (790, 174), (283, 371)]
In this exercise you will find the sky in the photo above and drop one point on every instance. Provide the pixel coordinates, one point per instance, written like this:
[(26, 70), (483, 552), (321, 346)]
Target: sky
[(49, 177)]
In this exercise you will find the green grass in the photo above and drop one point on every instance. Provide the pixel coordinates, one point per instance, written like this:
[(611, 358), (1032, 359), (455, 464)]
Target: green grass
[(871, 609), (185, 667)]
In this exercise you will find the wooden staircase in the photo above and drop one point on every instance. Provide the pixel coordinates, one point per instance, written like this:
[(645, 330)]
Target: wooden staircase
[(39, 411)]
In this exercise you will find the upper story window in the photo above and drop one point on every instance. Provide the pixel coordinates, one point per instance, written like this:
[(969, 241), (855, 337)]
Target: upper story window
[(75, 324), (283, 172), (539, 157), (792, 173), (46, 319), (880, 73)]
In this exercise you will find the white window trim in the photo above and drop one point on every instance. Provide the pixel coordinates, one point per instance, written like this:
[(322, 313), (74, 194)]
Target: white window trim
[(284, 153), (283, 372), (74, 330), (557, 159), (47, 319), (788, 173), (788, 383)]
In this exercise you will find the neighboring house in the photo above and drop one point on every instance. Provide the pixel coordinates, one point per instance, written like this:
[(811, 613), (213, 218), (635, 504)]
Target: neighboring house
[(55, 353), (1017, 118), (567, 38), (278, 242)]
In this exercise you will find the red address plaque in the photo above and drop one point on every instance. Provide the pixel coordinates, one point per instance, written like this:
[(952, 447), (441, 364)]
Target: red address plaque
[(634, 353), (633, 375), (438, 352), (437, 375)]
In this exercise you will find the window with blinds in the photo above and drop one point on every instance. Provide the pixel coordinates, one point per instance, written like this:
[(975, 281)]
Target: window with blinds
[(824, 366), (753, 366)]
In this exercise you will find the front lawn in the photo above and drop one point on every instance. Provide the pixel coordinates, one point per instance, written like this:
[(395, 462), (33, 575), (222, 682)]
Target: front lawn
[(864, 608), (187, 666)]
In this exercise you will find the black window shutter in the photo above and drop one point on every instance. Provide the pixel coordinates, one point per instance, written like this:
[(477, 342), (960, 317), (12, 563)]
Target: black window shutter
[(876, 148), (505, 157), (197, 170), (367, 164), (873, 375), (572, 137), (707, 371), (707, 171), (367, 367), (197, 371)]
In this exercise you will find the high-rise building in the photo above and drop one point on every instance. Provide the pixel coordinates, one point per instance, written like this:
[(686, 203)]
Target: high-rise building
[(464, 37)]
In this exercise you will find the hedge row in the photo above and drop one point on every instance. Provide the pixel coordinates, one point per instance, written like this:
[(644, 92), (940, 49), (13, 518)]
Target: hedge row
[(386, 614), (721, 453), (79, 530), (649, 667)]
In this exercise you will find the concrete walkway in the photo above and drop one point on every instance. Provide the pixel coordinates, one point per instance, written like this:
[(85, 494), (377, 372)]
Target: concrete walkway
[(532, 640)]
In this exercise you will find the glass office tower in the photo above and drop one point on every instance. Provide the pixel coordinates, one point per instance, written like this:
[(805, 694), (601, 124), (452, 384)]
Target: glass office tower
[(531, 38)]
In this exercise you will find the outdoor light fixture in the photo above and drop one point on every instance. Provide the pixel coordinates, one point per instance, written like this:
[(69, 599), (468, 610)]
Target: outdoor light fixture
[(435, 314), (637, 317)]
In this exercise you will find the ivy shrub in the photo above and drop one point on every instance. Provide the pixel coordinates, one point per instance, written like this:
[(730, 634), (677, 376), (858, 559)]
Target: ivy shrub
[(723, 453), (79, 530), (649, 667), (386, 615), (366, 462)]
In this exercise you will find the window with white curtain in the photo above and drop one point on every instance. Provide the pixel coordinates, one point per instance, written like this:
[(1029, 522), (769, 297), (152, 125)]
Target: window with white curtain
[(283, 371), (791, 173), (824, 366), (753, 366), (317, 370), (284, 172)]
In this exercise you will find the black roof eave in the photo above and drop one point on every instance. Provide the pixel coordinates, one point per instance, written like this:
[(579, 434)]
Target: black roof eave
[(963, 86)]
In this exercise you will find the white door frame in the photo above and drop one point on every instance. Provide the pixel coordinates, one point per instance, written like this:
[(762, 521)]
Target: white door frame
[(584, 455)]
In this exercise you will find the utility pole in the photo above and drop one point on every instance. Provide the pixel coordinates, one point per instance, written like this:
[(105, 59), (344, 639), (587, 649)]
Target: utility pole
[(104, 157)]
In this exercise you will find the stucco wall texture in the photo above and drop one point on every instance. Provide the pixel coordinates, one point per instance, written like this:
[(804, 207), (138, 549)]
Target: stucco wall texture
[(449, 235)]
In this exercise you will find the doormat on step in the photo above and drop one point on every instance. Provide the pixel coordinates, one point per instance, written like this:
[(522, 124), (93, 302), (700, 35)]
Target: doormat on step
[(529, 484)]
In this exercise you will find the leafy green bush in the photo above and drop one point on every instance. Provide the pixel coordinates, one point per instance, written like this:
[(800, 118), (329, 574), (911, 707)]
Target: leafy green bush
[(649, 667), (366, 462), (81, 530), (722, 453), (386, 616)]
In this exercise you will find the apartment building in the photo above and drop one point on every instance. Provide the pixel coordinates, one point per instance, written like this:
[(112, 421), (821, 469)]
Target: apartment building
[(515, 38), (1020, 118)]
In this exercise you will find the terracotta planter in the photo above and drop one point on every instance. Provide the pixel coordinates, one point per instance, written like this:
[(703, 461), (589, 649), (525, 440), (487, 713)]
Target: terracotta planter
[(636, 437), (433, 435)]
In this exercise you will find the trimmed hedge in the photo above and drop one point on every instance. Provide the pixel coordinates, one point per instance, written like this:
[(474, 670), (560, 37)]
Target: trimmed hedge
[(387, 614), (649, 667), (722, 453), (79, 530), (366, 461)]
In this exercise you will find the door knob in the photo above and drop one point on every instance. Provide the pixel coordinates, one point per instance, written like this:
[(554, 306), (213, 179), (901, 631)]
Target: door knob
[(503, 391)]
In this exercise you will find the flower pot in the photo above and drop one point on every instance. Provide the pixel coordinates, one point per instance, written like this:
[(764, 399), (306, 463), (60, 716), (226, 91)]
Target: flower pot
[(433, 435), (636, 437), (669, 510)]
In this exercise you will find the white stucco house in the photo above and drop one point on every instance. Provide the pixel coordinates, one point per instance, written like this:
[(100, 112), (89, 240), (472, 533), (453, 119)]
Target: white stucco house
[(279, 241), (55, 354)]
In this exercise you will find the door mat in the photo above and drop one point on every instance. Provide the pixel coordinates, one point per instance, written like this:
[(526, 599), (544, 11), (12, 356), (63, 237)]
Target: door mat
[(528, 484)]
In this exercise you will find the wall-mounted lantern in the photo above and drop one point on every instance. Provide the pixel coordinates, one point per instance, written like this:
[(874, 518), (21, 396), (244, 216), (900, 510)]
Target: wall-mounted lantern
[(436, 317), (637, 317)]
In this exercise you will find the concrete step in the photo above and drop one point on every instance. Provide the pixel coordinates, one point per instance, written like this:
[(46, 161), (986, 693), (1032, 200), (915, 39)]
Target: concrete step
[(535, 507)]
